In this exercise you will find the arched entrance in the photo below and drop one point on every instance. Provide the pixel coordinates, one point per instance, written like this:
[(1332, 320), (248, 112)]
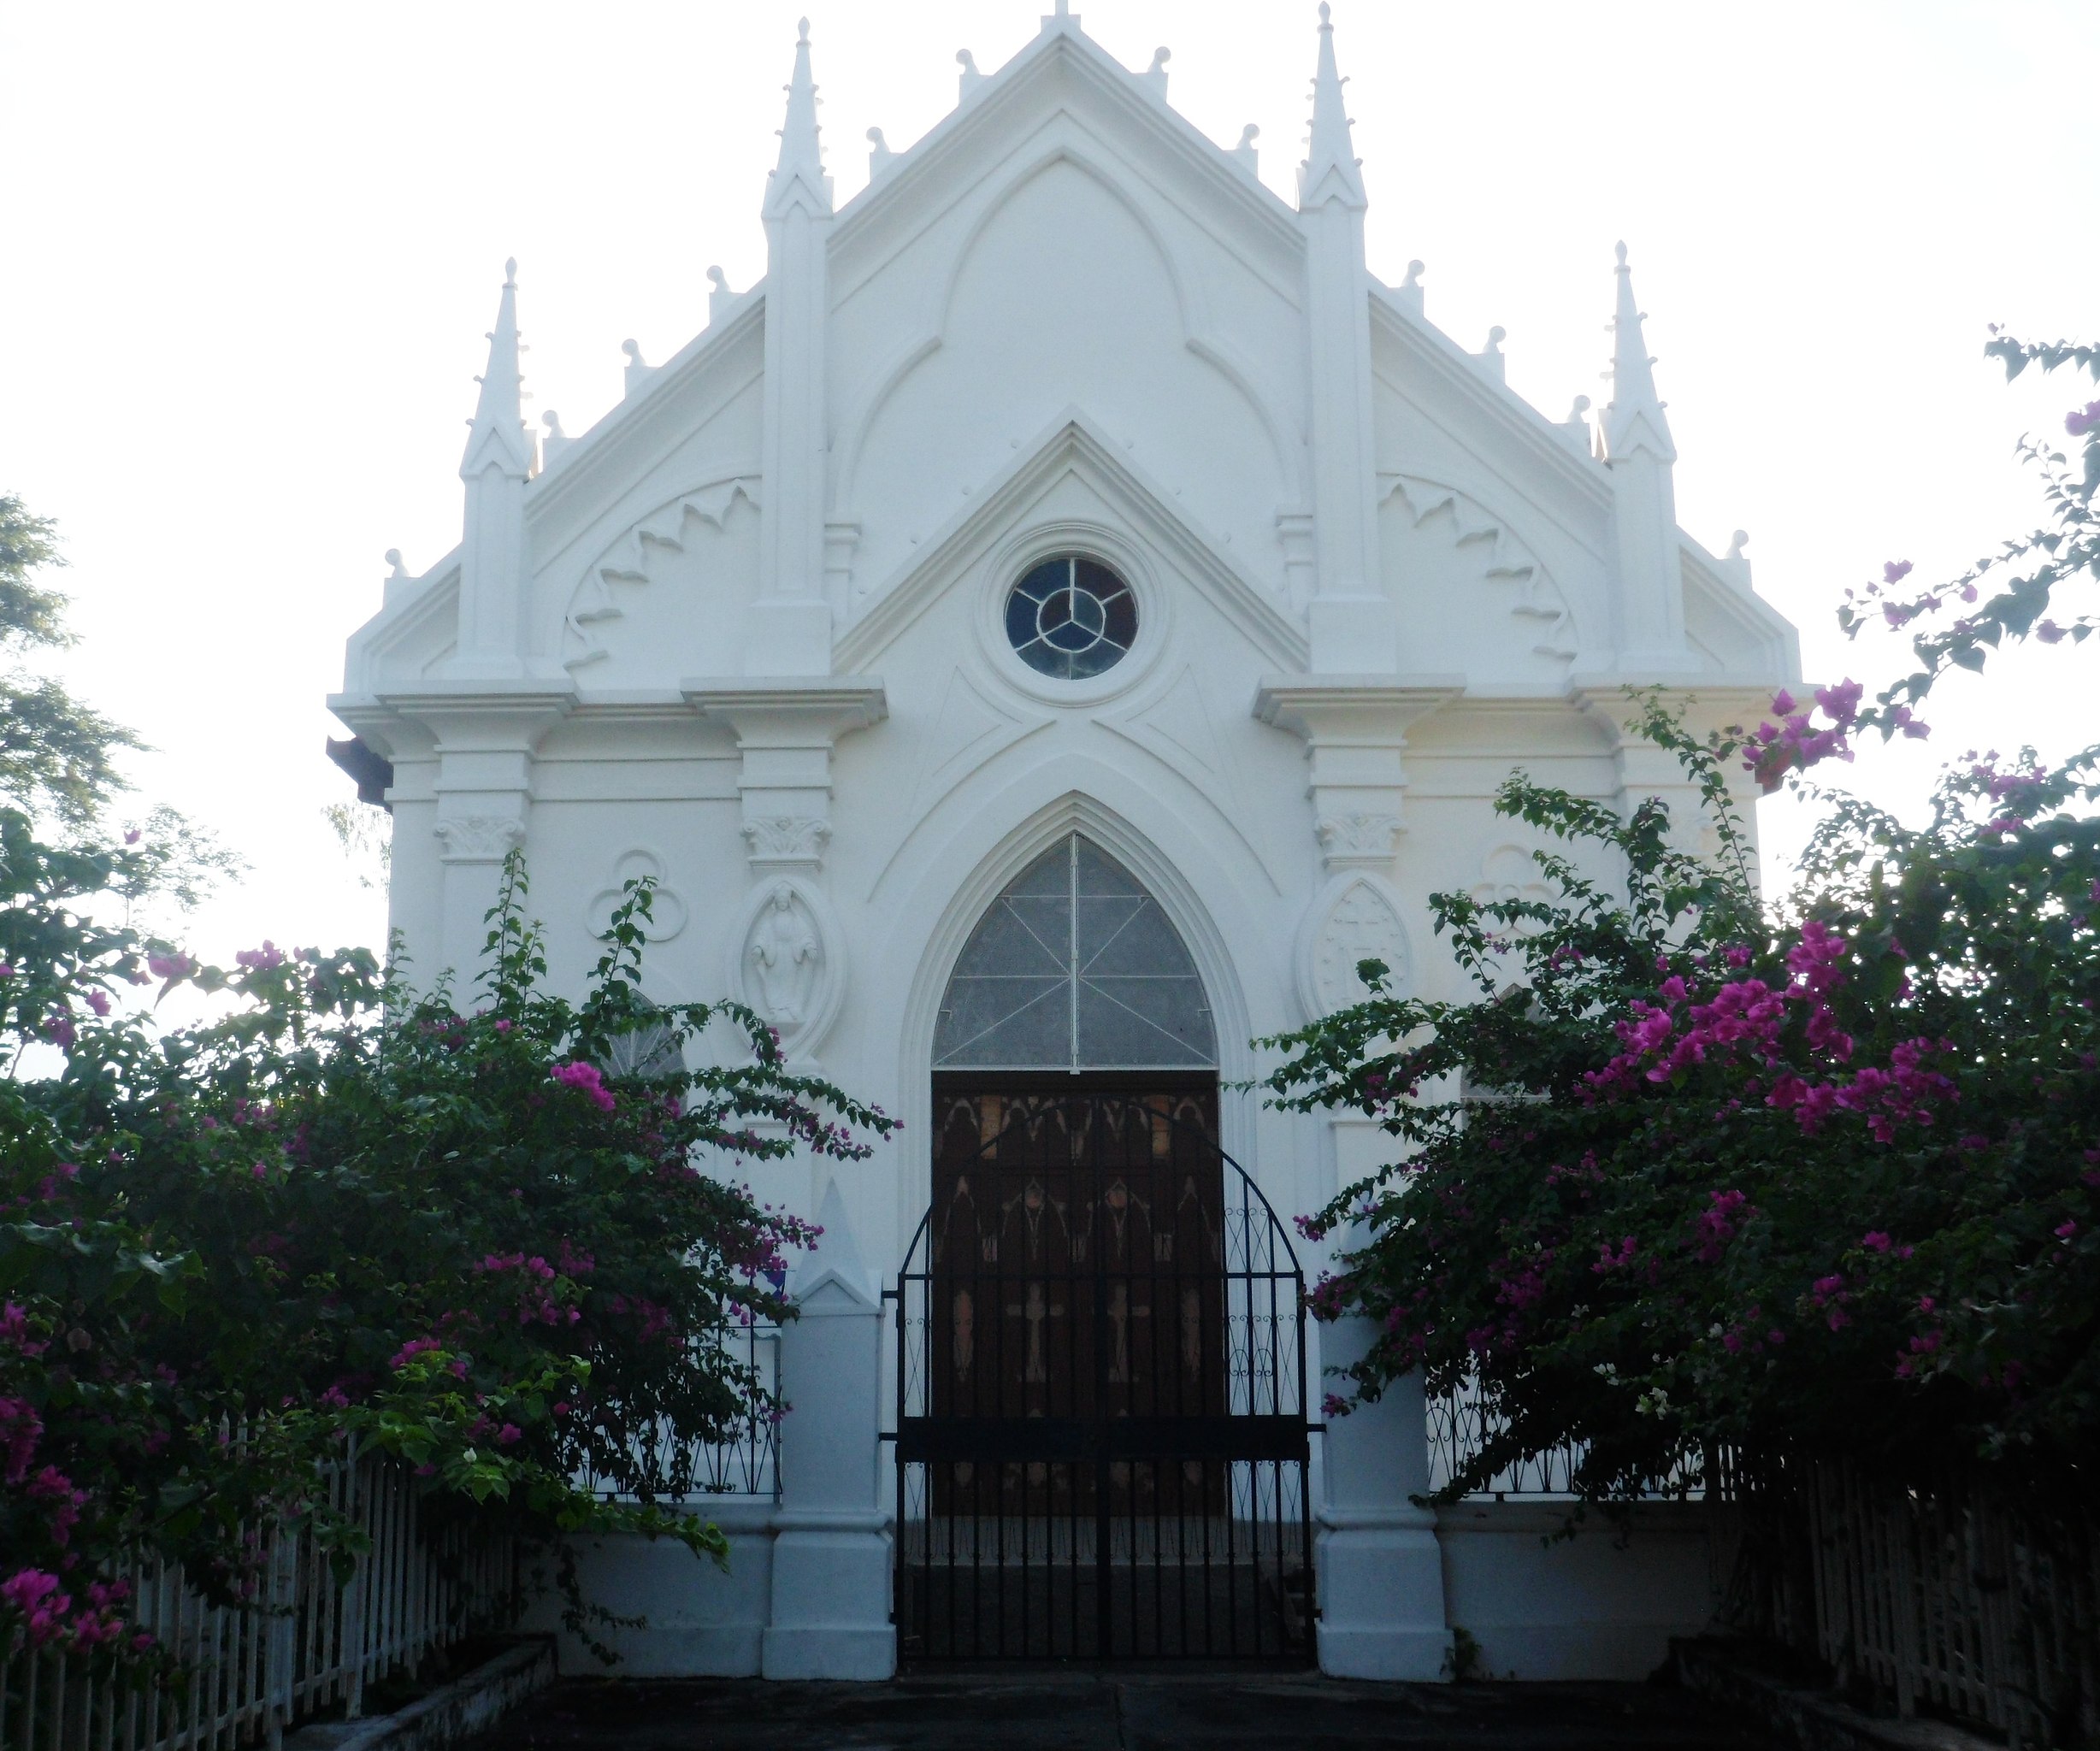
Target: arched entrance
[(1102, 1430)]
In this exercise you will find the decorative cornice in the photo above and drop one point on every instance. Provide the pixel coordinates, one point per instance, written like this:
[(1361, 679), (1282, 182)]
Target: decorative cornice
[(1353, 705)]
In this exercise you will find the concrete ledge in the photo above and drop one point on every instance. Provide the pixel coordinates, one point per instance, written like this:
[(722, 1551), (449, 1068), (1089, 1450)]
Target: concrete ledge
[(1813, 1720), (461, 1710), (1601, 1605)]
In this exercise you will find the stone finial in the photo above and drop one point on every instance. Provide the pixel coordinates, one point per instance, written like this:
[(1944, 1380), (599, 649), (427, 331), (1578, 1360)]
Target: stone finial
[(1246, 154), (1330, 171), (1155, 75), (719, 297), (1490, 357), (498, 436), (639, 370), (798, 178), (556, 441), (1497, 336), (1633, 418), (395, 568), (969, 78), (1736, 561), (1409, 290), (1575, 428), (880, 157)]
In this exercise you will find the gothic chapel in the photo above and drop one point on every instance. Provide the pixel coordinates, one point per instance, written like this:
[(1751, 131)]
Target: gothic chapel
[(1042, 636)]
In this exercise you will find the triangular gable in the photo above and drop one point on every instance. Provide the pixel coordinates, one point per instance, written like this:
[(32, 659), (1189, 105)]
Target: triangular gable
[(1065, 71), (1072, 445)]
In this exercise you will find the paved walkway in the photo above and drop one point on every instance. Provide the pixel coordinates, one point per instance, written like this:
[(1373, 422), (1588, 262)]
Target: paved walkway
[(1216, 1710)]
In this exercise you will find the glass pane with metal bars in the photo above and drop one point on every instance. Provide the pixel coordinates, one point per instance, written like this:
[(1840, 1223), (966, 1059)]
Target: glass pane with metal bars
[(1074, 966)]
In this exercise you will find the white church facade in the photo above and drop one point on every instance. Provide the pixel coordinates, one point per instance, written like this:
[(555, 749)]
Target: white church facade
[(1040, 639)]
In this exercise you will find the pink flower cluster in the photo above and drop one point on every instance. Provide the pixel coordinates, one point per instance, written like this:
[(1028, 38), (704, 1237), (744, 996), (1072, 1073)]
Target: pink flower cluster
[(414, 1348), (579, 1075), (1719, 1222), (21, 1430), (260, 960), (536, 1299), (1772, 751), (50, 1616), (1747, 1017), (2080, 420), (1828, 1296)]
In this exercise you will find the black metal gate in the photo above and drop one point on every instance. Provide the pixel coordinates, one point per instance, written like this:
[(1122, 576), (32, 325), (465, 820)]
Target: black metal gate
[(1102, 1436)]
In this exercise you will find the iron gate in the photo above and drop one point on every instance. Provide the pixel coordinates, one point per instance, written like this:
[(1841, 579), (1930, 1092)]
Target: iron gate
[(1101, 1436)]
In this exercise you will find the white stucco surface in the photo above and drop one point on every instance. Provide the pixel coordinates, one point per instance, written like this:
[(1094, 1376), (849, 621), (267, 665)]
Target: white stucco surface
[(745, 636)]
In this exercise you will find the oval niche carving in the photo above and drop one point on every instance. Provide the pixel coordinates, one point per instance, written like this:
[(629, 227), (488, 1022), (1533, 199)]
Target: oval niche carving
[(1355, 918), (788, 961)]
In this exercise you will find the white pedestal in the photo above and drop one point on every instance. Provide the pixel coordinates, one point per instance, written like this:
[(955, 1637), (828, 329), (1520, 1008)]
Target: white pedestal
[(831, 1559), (1381, 1570)]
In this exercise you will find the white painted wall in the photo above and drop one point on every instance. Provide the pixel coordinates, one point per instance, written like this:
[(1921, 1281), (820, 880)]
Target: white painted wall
[(1371, 581)]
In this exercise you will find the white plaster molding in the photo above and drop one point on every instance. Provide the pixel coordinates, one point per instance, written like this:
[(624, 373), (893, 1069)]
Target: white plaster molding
[(788, 960), (786, 841), (1355, 918), (1071, 444), (1536, 603), (1358, 839), (626, 561), (478, 838), (668, 915)]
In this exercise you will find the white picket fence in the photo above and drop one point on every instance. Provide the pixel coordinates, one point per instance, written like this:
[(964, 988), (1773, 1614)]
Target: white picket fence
[(305, 1644), (1949, 1602)]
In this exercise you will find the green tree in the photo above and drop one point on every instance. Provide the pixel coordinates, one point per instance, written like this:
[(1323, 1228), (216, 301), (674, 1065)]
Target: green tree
[(55, 754)]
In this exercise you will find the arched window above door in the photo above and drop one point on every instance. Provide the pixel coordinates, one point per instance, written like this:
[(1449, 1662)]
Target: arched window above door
[(1075, 967)]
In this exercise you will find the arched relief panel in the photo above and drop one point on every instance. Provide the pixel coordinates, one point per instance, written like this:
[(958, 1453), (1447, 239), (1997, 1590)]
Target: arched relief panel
[(1355, 918), (1473, 596), (1063, 292), (668, 591)]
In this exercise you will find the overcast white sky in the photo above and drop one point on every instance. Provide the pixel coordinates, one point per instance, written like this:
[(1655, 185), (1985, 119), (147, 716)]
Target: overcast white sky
[(252, 251)]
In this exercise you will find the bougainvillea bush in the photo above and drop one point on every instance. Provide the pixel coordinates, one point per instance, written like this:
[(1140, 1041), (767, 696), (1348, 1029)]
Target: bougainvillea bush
[(1689, 1172), (434, 1223), (1685, 1175)]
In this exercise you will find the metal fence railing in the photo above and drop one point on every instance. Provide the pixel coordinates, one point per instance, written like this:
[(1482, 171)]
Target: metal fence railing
[(248, 1672), (746, 1462), (1462, 1423)]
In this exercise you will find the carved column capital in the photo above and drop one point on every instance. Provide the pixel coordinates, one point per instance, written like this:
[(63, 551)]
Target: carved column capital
[(479, 839)]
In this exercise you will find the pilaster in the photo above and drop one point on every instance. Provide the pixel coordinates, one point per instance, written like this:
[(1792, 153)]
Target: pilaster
[(1350, 618), (1381, 1570), (485, 736), (788, 952), (831, 1557), (1354, 728), (791, 620)]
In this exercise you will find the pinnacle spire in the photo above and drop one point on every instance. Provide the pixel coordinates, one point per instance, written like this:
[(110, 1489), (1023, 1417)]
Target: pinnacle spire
[(800, 176), (1330, 171), (1633, 419), (498, 433)]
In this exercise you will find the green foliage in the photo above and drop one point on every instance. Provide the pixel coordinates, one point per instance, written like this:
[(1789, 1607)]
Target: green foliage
[(55, 753), (2028, 576), (348, 1210), (1685, 1175)]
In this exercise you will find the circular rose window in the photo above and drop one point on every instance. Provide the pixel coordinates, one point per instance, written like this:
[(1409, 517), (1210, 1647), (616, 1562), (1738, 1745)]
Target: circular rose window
[(1071, 618)]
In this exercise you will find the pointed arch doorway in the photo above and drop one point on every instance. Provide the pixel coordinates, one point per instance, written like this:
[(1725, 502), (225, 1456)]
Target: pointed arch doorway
[(1102, 1431)]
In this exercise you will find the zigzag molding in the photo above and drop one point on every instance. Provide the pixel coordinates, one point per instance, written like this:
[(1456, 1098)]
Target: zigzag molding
[(627, 560), (1538, 599)]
